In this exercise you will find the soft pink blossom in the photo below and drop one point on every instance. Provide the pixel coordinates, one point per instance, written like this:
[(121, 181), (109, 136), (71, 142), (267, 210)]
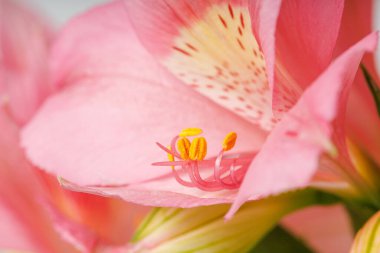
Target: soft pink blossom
[(134, 73)]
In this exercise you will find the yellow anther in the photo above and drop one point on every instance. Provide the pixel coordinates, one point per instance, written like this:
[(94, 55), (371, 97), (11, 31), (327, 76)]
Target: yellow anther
[(198, 149), (170, 156), (190, 132), (183, 145), (229, 141)]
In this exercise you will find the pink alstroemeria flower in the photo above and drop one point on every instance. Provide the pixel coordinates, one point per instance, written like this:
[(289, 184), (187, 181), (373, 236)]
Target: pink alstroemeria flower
[(135, 73), (36, 214)]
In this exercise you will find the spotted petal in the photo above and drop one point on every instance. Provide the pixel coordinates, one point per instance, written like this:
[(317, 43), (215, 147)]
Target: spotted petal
[(290, 155), (226, 49), (116, 102), (211, 46)]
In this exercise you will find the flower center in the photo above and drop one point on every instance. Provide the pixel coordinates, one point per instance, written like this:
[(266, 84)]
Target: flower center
[(187, 159)]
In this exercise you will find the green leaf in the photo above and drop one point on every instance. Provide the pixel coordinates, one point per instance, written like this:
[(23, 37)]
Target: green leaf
[(280, 240), (366, 240), (373, 87)]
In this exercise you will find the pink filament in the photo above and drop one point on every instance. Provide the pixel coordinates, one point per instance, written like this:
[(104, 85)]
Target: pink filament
[(228, 172)]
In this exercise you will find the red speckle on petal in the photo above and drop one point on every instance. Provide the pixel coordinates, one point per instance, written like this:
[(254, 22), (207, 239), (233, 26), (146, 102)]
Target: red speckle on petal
[(224, 23), (219, 71), (242, 20), (231, 11), (234, 73), (249, 91), (240, 44), (182, 51), (230, 86), (191, 47)]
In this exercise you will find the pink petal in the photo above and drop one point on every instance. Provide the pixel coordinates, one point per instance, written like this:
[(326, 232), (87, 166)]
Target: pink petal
[(290, 155), (213, 47), (305, 39), (362, 13), (163, 192), (24, 43), (265, 24), (363, 120), (299, 45), (20, 193), (13, 233), (116, 103), (325, 229), (113, 221), (31, 205), (76, 234)]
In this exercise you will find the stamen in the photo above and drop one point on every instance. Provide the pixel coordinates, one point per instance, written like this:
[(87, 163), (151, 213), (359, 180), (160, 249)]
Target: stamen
[(233, 173), (170, 155), (187, 132), (228, 171), (183, 145), (229, 141), (169, 151), (181, 181), (198, 149), (200, 183), (218, 173)]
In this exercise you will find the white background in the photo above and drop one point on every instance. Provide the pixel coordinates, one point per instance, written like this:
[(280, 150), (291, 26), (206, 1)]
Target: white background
[(59, 11)]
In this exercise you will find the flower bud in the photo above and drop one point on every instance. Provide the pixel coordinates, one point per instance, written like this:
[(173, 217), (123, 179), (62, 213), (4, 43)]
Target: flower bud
[(368, 238), (203, 229)]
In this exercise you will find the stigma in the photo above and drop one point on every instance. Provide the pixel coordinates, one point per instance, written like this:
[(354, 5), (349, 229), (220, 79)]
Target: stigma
[(187, 158)]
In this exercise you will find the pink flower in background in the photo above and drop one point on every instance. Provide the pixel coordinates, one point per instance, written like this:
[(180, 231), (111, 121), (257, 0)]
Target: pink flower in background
[(35, 213), (134, 73)]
